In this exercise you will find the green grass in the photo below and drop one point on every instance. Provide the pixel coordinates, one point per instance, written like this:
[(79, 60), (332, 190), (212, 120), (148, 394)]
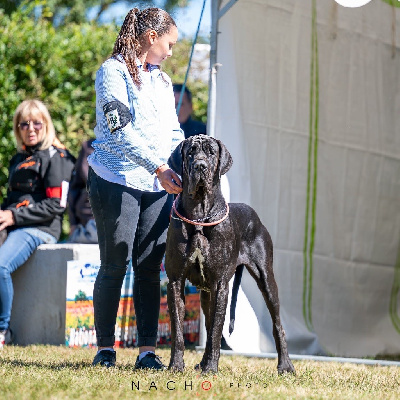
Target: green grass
[(50, 372)]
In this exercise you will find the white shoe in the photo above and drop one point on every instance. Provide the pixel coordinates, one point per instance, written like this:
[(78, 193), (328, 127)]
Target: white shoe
[(6, 337), (2, 339)]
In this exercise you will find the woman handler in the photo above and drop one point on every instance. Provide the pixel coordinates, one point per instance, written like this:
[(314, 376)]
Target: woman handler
[(137, 129)]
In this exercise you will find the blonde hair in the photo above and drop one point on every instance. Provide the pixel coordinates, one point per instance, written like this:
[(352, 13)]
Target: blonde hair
[(26, 109)]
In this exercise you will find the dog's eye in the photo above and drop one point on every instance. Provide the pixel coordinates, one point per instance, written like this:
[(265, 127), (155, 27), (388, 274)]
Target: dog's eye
[(209, 150), (192, 151)]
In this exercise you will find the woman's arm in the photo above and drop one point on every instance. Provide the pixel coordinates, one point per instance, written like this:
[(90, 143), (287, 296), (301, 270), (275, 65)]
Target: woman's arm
[(167, 177), (38, 212), (112, 97)]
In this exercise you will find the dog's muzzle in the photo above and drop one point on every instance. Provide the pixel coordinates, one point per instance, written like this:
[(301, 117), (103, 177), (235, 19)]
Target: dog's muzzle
[(200, 166), (200, 176)]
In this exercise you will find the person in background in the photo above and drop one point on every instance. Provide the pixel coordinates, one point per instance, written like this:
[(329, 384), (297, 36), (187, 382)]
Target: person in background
[(31, 214), (136, 131), (189, 126), (82, 224)]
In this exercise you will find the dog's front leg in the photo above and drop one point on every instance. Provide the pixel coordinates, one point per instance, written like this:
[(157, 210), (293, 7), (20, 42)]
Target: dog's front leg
[(216, 318), (176, 306), (205, 306)]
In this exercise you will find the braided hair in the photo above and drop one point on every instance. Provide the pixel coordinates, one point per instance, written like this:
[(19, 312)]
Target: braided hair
[(136, 24)]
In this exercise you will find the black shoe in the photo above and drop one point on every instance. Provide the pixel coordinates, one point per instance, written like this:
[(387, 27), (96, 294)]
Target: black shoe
[(106, 358), (151, 361), (9, 336)]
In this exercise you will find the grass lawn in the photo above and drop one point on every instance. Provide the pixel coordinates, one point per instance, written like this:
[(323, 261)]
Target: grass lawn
[(51, 372)]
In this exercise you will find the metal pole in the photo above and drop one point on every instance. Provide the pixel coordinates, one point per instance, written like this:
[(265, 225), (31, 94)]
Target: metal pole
[(212, 101), (213, 65), (211, 116)]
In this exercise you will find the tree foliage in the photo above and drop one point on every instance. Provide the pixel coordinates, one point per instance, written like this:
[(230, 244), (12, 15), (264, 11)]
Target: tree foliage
[(81, 296), (63, 12), (57, 66)]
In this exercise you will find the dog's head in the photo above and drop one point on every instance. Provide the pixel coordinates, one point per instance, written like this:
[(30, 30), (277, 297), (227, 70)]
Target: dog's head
[(200, 161)]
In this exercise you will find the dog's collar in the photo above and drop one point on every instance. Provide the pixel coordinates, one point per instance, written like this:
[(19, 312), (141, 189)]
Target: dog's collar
[(199, 222)]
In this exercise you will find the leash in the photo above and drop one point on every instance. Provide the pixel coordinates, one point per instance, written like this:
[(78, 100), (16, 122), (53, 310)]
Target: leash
[(200, 221), (178, 108)]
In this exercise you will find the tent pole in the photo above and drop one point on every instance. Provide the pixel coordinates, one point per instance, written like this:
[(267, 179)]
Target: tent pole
[(213, 61), (226, 8), (211, 116), (216, 14)]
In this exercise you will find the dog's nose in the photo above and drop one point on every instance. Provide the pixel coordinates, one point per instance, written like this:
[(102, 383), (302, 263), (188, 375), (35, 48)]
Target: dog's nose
[(200, 166)]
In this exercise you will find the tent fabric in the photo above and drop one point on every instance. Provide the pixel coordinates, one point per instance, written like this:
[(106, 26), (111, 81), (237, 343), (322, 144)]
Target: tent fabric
[(263, 117)]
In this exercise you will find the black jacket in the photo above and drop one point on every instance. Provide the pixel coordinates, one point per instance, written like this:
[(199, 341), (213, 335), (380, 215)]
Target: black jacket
[(192, 127), (79, 209), (34, 188)]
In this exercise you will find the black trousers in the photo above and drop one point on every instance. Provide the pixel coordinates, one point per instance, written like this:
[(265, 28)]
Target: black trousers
[(131, 225)]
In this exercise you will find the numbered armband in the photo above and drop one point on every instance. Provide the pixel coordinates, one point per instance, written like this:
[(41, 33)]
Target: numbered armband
[(117, 114)]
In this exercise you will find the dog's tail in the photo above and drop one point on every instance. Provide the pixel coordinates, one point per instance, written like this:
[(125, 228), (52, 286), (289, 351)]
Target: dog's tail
[(235, 290)]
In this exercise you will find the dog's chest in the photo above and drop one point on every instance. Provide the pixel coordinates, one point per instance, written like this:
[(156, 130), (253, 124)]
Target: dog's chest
[(203, 258), (198, 260)]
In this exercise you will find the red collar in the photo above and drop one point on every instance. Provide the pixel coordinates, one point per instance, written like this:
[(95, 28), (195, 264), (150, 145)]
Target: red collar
[(189, 221)]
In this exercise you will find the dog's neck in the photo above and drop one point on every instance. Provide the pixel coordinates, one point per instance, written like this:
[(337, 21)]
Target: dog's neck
[(207, 204)]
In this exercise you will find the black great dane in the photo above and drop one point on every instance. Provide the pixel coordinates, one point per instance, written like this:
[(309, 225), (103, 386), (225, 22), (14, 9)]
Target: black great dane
[(208, 242)]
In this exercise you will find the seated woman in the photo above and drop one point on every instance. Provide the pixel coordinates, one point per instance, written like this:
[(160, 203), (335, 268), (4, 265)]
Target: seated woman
[(31, 214)]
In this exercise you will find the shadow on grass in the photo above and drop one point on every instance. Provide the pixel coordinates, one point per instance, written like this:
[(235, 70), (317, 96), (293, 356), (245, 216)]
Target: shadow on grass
[(388, 357), (57, 366), (44, 365)]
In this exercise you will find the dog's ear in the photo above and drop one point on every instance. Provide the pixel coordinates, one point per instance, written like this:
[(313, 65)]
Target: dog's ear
[(225, 159), (175, 160)]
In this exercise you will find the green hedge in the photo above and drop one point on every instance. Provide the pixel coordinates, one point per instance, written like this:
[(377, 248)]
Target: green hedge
[(58, 66)]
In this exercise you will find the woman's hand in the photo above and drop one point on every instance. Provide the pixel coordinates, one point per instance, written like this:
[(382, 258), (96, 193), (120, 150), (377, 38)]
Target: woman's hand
[(166, 176), (6, 219)]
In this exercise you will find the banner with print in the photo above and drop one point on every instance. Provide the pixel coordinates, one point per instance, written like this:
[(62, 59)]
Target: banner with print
[(80, 330)]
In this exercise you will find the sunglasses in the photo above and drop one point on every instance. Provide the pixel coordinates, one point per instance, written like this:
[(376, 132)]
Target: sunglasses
[(25, 125)]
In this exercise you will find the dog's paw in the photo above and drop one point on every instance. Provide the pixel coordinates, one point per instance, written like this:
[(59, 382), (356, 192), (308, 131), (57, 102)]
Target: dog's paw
[(176, 367), (286, 367), (209, 369)]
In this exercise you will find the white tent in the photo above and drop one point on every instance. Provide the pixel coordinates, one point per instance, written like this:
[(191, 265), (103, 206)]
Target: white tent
[(326, 183)]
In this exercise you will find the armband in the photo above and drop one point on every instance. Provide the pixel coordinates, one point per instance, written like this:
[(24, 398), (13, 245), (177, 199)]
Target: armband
[(117, 114)]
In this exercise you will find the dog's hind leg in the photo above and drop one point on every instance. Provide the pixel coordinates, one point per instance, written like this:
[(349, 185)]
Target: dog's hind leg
[(215, 317), (266, 282), (176, 306)]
